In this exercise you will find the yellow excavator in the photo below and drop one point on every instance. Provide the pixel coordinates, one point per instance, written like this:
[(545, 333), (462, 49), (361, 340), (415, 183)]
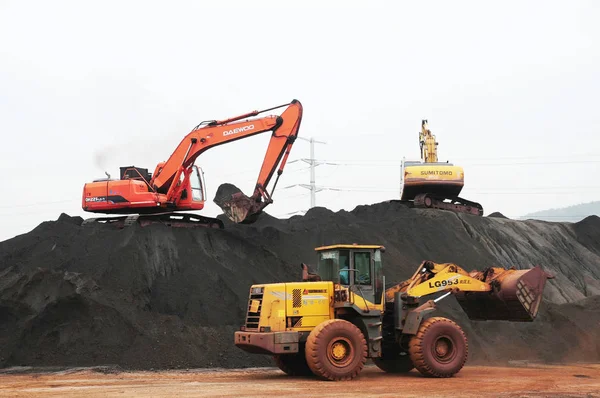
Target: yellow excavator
[(429, 183), (329, 324)]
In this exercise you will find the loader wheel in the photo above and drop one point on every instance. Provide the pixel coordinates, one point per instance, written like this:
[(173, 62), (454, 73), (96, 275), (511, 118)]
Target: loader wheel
[(439, 349), (293, 364), (336, 350), (400, 364)]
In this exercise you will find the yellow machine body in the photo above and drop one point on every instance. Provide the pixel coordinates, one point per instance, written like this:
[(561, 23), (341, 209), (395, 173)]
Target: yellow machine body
[(440, 179), (290, 306), (280, 315), (290, 320)]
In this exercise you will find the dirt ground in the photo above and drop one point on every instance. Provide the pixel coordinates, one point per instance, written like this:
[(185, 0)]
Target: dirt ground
[(521, 380)]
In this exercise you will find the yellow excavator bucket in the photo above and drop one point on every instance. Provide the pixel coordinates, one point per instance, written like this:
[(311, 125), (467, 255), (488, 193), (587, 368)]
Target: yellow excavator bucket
[(439, 179), (515, 296)]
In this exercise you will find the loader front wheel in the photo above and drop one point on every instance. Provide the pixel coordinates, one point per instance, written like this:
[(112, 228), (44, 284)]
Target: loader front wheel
[(336, 350), (439, 349), (293, 364)]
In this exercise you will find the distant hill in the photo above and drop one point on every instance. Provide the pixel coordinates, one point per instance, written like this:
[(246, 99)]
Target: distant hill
[(569, 214)]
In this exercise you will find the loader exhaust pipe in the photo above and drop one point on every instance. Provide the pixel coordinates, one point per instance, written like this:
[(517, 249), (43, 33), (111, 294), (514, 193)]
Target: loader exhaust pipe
[(516, 296)]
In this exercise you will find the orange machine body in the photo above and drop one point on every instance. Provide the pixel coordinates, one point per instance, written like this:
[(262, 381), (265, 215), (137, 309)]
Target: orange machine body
[(133, 195), (178, 185)]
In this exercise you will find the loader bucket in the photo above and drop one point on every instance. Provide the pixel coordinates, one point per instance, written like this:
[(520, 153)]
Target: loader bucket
[(516, 296), (238, 207)]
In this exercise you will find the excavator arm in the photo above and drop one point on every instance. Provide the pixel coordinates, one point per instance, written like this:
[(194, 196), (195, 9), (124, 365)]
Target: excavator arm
[(171, 177)]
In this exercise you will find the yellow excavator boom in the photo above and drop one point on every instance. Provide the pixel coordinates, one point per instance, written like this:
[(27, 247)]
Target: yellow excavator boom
[(428, 144)]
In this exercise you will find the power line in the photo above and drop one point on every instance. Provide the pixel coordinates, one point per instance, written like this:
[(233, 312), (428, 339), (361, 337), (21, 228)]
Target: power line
[(313, 163), (390, 163)]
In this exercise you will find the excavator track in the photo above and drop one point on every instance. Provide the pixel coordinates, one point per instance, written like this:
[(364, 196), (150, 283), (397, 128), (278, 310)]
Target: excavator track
[(177, 220), (456, 204)]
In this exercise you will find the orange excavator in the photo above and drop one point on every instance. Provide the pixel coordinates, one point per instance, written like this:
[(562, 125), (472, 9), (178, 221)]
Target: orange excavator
[(178, 184)]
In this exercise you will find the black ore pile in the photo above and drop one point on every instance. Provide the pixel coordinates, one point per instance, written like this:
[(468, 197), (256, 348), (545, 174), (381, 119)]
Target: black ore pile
[(161, 297)]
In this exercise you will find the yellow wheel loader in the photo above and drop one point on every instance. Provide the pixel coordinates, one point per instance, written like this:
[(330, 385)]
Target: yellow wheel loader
[(335, 319)]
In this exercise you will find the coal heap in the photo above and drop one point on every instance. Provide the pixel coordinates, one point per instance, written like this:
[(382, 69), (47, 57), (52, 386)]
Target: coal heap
[(497, 214), (161, 297)]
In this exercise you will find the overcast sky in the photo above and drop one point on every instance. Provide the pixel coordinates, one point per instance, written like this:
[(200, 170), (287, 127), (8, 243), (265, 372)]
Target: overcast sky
[(510, 88)]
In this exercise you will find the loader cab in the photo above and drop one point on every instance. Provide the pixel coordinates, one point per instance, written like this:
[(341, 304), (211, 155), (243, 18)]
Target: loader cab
[(356, 267)]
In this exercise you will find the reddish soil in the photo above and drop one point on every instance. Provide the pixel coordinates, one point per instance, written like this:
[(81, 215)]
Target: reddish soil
[(575, 380)]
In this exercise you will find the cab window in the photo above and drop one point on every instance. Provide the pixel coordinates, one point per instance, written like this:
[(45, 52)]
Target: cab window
[(362, 265), (197, 193), (344, 267), (328, 266)]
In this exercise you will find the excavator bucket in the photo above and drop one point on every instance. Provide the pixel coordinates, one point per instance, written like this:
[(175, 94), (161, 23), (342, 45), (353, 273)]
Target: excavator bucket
[(515, 296), (238, 207)]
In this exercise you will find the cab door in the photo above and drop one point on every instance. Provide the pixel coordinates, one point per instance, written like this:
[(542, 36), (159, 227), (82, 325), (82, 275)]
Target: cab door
[(197, 185)]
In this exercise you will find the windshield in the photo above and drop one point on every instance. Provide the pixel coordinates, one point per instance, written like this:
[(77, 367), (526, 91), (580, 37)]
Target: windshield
[(362, 265), (196, 183), (328, 266)]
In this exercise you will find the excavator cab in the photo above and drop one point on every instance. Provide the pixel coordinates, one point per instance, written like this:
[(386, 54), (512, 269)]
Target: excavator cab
[(193, 195), (197, 185)]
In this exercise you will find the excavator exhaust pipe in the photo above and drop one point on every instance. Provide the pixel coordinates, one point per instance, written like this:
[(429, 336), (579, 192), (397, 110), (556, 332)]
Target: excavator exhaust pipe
[(516, 295), (238, 207)]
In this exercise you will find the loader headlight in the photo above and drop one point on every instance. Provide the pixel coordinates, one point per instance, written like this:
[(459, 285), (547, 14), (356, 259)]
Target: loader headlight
[(257, 290)]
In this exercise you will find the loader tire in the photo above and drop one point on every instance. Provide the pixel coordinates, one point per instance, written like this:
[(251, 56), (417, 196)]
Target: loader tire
[(399, 364), (293, 364), (336, 350), (439, 349)]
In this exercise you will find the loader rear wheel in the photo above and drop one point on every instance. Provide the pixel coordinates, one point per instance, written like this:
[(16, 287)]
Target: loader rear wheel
[(336, 350), (439, 349), (400, 364), (293, 364)]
